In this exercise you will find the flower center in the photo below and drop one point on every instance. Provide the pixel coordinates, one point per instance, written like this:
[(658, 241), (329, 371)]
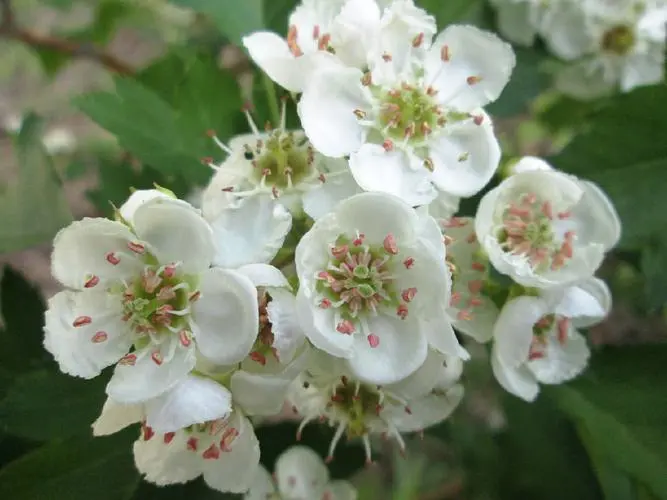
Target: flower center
[(358, 403), (528, 229), (282, 160), (541, 333), (618, 40), (409, 113), (358, 281)]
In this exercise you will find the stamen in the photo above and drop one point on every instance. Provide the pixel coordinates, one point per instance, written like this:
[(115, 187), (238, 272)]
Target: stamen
[(444, 53), (390, 245), (346, 327), (91, 281), (99, 337), (334, 442), (82, 321), (112, 259), (418, 40)]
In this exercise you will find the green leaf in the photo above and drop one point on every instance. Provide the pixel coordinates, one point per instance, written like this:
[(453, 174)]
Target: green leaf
[(72, 405), (625, 152), (455, 11), (75, 469), (33, 207), (233, 18), (276, 14), (654, 270), (526, 83), (195, 490), (621, 407)]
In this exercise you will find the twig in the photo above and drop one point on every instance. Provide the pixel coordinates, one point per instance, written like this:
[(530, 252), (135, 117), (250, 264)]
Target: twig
[(9, 30)]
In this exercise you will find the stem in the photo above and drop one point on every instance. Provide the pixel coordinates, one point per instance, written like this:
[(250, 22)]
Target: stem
[(11, 31), (272, 98)]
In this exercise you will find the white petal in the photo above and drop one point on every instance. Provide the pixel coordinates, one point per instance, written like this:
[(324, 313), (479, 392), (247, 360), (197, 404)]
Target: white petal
[(262, 486), (563, 362), (192, 401), (423, 380), (271, 53), (259, 394), (288, 336), (176, 232), (327, 109), (401, 350), (513, 332), (576, 301), (235, 470), (116, 416), (465, 157), (450, 373), (530, 163), (319, 325), (341, 490), (597, 216), (300, 473), (164, 464), (395, 173), (376, 215), (146, 379), (263, 275), (444, 206), (324, 198), (426, 411), (225, 316), (519, 381), (514, 22), (80, 351), (472, 53), (587, 79), (644, 69), (80, 251), (440, 334), (251, 231), (138, 198), (354, 31), (599, 290), (566, 31)]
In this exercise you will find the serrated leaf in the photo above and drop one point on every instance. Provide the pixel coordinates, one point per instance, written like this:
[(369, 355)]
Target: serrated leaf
[(33, 207), (75, 469), (621, 405), (625, 152), (234, 19), (72, 405)]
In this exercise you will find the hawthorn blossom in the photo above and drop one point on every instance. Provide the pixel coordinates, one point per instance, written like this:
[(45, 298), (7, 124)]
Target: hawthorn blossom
[(328, 392), (141, 296), (335, 34), (414, 125), (519, 20), (545, 228), (299, 475), (223, 448), (536, 338), (374, 287)]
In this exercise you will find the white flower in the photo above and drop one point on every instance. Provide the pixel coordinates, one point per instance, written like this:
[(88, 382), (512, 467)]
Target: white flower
[(470, 307), (374, 287), (327, 391), (335, 34), (610, 43), (299, 475), (545, 228), (411, 124), (265, 176), (223, 449), (143, 298), (535, 337)]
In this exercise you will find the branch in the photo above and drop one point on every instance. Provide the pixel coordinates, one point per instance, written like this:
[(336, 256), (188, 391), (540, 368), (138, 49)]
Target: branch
[(9, 30)]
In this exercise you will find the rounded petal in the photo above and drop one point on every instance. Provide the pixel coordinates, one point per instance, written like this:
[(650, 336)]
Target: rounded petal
[(235, 470), (327, 110), (566, 31), (319, 327), (577, 301), (423, 380), (341, 490), (176, 232), (262, 486), (192, 401), (249, 232), (465, 157), (288, 336), (519, 381), (324, 198), (259, 394), (426, 411), (399, 347), (530, 163), (394, 172), (587, 79), (147, 379), (513, 332), (515, 22), (271, 53), (138, 198), (444, 206), (264, 275), (597, 217), (643, 69), (477, 69), (440, 334), (301, 473), (599, 290), (563, 361), (81, 249), (225, 316), (116, 416), (162, 464), (376, 215), (83, 351)]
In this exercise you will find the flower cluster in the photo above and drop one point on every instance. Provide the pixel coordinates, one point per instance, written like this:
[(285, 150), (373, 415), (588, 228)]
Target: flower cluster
[(605, 44), (357, 327)]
